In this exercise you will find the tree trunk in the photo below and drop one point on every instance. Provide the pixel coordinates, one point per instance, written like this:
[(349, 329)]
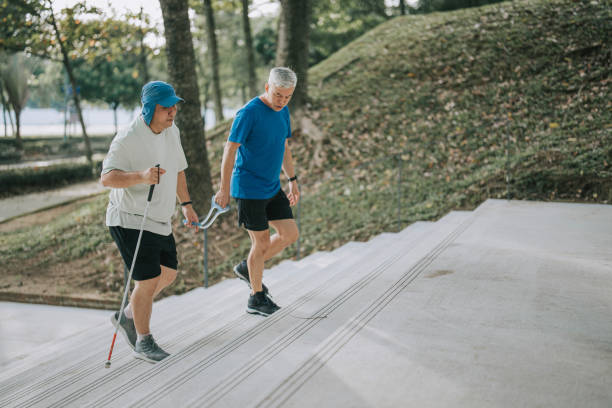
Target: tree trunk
[(214, 60), (4, 106), (293, 43), (282, 43), (402, 5), (115, 106), (248, 38), (182, 72), (75, 95), (19, 142), (143, 54), (4, 119)]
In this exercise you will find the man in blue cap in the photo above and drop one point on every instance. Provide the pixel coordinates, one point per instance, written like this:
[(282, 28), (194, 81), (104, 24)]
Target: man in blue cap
[(129, 168)]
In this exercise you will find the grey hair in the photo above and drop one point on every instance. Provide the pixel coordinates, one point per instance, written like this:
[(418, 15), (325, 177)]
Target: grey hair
[(282, 77)]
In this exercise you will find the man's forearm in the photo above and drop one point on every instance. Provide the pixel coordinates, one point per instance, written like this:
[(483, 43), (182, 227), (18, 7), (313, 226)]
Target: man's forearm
[(227, 165), (288, 168), (182, 192), (122, 179)]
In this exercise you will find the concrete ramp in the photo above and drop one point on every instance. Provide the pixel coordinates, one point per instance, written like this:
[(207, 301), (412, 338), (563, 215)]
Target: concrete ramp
[(506, 306)]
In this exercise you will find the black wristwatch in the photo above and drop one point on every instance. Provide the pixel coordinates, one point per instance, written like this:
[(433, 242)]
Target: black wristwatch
[(294, 178)]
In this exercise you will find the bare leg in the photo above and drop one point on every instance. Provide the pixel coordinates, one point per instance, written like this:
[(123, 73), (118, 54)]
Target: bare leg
[(260, 242), (141, 303), (165, 279), (286, 234)]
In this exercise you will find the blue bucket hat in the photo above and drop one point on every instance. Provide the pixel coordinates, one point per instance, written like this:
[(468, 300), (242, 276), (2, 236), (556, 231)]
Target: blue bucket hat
[(157, 92)]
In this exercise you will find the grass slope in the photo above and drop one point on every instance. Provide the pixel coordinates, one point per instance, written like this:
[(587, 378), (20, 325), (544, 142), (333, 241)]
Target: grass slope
[(517, 91), (509, 99)]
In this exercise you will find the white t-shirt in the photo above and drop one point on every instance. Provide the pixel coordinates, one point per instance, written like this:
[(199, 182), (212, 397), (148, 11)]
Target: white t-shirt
[(137, 148)]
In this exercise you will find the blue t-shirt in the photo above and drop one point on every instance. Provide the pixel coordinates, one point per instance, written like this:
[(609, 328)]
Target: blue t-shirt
[(261, 132)]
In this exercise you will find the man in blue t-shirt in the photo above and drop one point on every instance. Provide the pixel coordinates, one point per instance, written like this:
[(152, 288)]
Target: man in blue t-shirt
[(255, 153)]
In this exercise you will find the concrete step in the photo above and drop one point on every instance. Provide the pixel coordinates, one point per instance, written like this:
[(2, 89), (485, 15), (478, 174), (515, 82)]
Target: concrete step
[(54, 375), (275, 353)]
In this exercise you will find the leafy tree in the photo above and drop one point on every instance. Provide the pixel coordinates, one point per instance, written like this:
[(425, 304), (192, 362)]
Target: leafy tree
[(38, 32), (110, 69), (66, 45), (335, 23), (113, 82)]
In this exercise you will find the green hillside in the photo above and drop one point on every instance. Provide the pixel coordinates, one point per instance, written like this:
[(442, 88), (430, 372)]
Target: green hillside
[(518, 90)]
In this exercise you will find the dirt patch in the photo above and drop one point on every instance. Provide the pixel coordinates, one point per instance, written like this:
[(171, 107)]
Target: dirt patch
[(439, 273)]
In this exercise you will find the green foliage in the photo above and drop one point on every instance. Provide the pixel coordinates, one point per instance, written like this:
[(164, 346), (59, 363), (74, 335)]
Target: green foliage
[(264, 43), (338, 22), (19, 22)]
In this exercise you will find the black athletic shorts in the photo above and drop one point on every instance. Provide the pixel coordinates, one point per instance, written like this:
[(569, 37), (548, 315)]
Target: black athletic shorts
[(155, 250), (255, 214)]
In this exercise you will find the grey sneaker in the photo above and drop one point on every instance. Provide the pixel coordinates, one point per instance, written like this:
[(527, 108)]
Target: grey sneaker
[(147, 350), (242, 271), (126, 327), (261, 304)]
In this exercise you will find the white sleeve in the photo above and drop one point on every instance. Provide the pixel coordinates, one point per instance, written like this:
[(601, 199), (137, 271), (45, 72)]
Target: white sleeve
[(117, 158), (181, 159)]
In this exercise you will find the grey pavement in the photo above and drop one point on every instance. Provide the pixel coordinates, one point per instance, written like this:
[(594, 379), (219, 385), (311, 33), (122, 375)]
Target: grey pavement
[(505, 306), (27, 203), (26, 328)]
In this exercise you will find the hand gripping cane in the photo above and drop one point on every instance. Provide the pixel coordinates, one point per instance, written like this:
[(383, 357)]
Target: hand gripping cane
[(129, 279)]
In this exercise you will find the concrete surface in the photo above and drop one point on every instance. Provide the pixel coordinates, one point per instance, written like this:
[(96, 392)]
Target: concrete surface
[(27, 203), (507, 306), (25, 328)]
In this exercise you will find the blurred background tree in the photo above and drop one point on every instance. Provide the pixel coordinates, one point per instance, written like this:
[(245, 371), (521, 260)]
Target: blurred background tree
[(14, 78)]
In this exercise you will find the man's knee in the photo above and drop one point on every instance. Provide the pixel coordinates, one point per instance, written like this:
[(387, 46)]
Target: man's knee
[(261, 246), (146, 287), (168, 275), (290, 236)]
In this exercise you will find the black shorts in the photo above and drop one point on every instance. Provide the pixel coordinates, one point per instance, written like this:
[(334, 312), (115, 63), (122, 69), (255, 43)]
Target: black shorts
[(155, 250), (255, 214)]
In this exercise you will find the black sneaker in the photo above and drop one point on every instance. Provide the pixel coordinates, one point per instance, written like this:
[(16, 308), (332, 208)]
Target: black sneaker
[(242, 271), (147, 350), (126, 327), (261, 304)]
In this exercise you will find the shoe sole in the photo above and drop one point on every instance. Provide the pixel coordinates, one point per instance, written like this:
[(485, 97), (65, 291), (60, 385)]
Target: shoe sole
[(140, 356), (255, 311), (122, 331)]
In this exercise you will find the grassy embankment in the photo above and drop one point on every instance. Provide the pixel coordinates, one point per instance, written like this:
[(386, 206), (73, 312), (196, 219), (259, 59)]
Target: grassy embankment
[(509, 99)]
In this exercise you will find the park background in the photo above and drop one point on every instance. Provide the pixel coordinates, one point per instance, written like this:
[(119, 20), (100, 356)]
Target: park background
[(404, 111)]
